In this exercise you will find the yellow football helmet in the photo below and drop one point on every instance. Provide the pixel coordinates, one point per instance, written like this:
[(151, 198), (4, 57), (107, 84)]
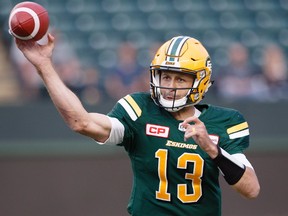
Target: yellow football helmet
[(184, 55)]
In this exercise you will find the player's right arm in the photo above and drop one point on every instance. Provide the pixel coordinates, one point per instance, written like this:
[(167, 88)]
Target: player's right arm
[(94, 125)]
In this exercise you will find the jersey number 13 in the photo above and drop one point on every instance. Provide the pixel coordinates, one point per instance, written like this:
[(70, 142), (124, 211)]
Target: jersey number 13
[(195, 177)]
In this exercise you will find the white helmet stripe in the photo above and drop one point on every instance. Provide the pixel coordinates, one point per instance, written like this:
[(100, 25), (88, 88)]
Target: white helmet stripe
[(175, 48)]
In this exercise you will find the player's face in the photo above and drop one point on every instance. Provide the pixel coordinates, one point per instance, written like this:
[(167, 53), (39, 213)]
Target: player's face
[(170, 81)]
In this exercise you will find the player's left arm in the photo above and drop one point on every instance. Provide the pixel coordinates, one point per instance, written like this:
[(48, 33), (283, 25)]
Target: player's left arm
[(248, 185), (238, 172), (236, 169)]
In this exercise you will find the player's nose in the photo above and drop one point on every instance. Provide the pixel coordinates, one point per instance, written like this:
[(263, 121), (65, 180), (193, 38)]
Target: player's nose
[(172, 83)]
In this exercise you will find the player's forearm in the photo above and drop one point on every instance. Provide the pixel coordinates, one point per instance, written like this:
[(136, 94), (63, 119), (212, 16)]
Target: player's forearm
[(66, 102), (242, 177), (248, 185)]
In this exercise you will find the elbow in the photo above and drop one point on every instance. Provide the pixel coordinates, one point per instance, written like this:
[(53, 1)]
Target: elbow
[(78, 126), (248, 189), (250, 185), (253, 193)]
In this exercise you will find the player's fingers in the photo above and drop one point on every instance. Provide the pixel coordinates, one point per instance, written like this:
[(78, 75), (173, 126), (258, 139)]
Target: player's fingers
[(51, 40), (22, 45), (193, 119), (191, 131), (18, 43), (186, 123), (188, 135)]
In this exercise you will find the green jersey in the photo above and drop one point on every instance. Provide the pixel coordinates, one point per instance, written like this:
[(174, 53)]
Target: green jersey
[(172, 176)]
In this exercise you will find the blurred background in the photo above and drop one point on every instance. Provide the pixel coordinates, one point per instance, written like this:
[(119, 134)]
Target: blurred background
[(103, 51)]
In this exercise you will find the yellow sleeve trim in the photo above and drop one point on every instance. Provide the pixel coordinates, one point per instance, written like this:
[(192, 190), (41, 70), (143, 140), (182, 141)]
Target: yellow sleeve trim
[(238, 127), (134, 105)]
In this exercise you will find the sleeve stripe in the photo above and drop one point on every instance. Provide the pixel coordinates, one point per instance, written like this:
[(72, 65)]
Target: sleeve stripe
[(134, 105), (239, 134), (128, 109), (238, 127)]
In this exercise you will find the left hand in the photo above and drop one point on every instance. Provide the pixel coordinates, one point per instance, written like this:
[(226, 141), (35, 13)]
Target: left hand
[(198, 132)]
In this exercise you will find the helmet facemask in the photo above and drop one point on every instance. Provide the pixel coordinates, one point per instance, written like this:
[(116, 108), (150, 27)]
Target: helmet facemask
[(174, 104)]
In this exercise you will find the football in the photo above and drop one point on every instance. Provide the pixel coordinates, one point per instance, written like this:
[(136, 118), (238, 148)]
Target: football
[(28, 21)]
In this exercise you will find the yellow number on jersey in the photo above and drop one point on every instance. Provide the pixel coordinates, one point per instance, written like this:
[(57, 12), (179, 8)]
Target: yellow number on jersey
[(195, 176)]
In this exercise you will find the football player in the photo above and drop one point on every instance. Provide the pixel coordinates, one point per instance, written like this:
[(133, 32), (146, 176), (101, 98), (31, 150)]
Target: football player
[(177, 146)]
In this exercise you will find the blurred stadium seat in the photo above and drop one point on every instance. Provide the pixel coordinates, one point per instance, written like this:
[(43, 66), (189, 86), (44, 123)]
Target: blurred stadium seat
[(94, 26)]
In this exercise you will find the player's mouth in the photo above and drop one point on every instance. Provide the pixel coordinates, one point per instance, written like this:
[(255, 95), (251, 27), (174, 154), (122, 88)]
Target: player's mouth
[(170, 96)]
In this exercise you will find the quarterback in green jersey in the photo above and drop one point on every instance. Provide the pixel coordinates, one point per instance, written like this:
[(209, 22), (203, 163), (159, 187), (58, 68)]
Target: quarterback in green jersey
[(176, 145)]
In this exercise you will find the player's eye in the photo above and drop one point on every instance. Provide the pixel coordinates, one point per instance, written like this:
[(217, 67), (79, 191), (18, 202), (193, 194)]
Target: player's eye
[(166, 77)]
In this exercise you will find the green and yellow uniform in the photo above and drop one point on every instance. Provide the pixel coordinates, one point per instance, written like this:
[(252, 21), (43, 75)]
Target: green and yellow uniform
[(172, 176)]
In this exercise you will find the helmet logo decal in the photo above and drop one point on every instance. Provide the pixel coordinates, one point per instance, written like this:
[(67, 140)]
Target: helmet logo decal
[(175, 47), (209, 64), (202, 74)]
